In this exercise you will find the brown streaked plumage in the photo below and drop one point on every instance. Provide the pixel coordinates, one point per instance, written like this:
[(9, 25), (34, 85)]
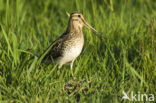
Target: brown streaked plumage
[(69, 45)]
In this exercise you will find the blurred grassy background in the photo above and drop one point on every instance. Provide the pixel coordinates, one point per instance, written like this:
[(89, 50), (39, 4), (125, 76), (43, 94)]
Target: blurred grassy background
[(125, 61)]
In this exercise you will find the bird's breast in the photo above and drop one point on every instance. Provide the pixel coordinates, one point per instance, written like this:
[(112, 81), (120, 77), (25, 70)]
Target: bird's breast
[(74, 48)]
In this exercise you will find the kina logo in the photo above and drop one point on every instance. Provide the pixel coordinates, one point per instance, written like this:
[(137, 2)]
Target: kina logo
[(138, 97)]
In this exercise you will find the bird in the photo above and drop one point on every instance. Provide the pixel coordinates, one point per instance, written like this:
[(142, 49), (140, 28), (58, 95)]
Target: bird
[(66, 48)]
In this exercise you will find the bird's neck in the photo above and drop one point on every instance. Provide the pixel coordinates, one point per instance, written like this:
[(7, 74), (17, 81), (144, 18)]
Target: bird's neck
[(74, 27)]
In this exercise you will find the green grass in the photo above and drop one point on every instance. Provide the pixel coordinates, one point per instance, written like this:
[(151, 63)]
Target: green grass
[(125, 61)]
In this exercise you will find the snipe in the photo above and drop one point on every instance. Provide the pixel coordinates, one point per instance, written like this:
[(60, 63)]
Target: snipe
[(69, 45)]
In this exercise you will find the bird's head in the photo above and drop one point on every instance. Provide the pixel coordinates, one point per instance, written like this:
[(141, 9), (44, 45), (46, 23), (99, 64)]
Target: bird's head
[(77, 21)]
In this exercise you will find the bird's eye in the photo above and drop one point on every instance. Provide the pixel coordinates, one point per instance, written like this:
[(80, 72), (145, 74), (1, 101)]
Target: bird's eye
[(79, 16)]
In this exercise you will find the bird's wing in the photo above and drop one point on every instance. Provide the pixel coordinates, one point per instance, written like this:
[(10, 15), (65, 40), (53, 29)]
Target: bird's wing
[(54, 50)]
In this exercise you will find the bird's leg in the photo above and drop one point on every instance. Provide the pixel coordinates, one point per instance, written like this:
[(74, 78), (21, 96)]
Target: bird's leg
[(71, 70)]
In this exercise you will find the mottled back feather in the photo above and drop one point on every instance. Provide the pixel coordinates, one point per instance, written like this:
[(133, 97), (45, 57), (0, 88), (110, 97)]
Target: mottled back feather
[(55, 51)]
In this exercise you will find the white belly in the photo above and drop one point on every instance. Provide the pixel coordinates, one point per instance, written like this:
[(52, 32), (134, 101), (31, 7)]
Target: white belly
[(71, 53)]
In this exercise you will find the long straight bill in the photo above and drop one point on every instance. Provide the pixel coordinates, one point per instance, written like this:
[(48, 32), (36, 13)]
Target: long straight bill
[(91, 28)]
